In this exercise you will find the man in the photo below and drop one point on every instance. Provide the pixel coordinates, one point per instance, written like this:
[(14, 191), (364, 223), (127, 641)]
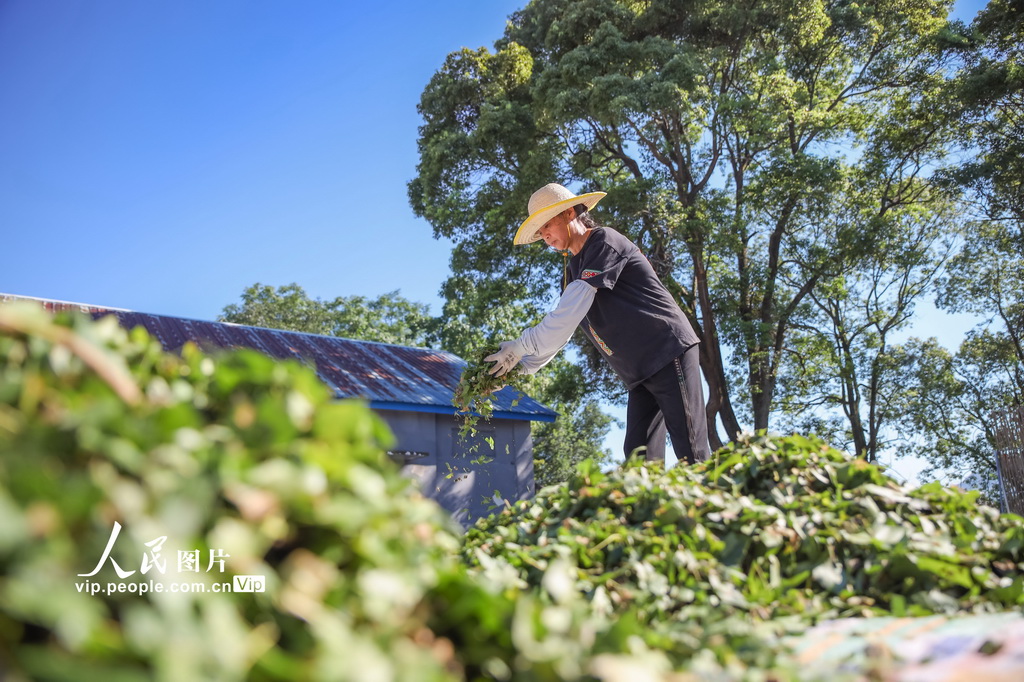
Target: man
[(610, 290)]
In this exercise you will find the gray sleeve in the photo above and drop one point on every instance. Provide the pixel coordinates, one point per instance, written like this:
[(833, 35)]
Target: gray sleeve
[(544, 341)]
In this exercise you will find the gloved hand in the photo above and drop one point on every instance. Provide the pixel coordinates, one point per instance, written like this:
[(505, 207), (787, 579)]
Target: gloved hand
[(508, 356)]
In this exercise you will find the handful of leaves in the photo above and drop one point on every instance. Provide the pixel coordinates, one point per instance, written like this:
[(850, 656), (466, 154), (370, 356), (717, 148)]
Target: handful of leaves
[(477, 387)]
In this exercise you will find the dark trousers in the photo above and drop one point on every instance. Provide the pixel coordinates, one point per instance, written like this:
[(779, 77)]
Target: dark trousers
[(673, 400)]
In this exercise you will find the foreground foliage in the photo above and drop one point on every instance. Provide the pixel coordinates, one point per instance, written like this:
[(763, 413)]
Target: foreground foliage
[(245, 458), (240, 456), (635, 574)]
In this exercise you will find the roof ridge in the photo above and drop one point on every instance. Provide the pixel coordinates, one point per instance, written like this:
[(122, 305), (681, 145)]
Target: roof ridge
[(21, 297)]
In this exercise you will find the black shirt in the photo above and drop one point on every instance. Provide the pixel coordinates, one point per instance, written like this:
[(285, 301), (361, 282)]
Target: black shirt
[(634, 321)]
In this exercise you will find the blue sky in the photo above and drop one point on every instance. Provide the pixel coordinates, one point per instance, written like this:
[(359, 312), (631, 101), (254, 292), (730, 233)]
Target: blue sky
[(163, 156)]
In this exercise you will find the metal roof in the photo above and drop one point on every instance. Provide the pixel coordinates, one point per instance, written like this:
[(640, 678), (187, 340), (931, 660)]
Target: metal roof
[(387, 376)]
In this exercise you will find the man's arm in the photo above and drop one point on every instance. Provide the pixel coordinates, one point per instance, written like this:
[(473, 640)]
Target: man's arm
[(538, 345)]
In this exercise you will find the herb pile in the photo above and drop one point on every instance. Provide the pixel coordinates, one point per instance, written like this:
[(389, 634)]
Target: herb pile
[(693, 573), (779, 531)]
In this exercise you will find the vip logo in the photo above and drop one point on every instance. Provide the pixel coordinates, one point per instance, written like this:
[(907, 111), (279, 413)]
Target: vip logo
[(587, 274), (250, 583)]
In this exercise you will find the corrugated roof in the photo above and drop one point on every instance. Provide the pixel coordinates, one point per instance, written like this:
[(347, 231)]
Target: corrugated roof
[(388, 376)]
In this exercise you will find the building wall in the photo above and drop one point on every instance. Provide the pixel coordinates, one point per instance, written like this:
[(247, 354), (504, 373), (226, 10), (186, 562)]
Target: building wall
[(416, 437), (466, 477)]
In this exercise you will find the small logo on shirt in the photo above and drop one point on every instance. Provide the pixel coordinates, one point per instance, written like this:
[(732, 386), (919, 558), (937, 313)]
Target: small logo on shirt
[(587, 274)]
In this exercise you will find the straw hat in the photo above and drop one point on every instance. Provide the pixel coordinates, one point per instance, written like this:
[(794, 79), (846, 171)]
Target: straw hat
[(545, 204)]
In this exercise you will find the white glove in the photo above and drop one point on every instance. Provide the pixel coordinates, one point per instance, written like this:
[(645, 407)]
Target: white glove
[(508, 356)]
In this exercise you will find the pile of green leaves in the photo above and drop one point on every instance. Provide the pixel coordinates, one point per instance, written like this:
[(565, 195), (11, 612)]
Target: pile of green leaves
[(779, 531), (635, 574), (474, 395), (251, 458)]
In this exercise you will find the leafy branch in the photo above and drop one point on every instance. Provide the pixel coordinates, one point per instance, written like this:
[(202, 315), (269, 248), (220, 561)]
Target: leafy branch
[(474, 396)]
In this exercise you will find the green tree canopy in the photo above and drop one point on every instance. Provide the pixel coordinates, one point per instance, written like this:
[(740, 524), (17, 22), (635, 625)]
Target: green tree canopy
[(725, 135), (961, 392), (389, 318)]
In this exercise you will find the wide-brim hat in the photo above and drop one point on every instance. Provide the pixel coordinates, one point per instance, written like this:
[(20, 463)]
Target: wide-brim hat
[(545, 204)]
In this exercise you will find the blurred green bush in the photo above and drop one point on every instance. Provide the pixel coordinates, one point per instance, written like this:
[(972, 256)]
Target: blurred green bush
[(238, 455)]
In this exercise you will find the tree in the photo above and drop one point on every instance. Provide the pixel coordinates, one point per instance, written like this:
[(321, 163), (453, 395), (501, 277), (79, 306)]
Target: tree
[(846, 378), (843, 375), (952, 411), (960, 392), (988, 273), (718, 130), (389, 318)]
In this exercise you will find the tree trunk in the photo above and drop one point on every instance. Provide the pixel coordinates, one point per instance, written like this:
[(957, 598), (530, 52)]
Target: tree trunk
[(719, 404)]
